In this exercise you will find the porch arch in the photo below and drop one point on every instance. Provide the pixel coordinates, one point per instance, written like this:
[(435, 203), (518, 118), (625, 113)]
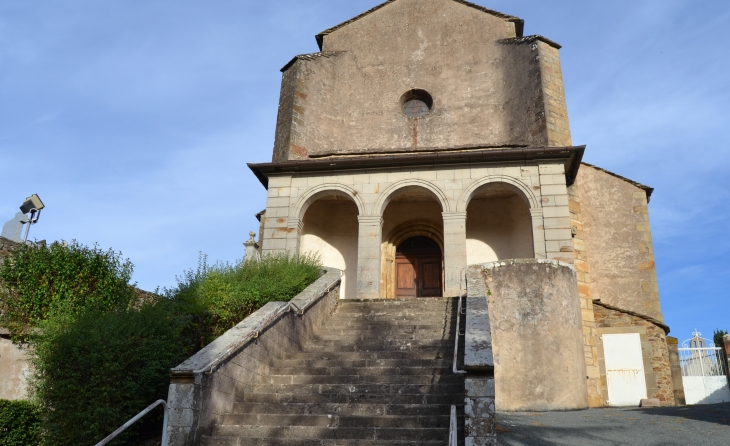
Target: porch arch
[(388, 194), (517, 186), (325, 190)]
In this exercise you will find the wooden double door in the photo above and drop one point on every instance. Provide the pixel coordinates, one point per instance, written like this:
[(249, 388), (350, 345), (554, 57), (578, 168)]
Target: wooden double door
[(418, 270)]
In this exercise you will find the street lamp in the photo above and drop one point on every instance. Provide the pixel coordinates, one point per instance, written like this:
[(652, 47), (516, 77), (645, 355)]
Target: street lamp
[(33, 206)]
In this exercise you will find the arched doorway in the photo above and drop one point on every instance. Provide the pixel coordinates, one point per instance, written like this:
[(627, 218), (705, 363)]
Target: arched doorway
[(418, 268)]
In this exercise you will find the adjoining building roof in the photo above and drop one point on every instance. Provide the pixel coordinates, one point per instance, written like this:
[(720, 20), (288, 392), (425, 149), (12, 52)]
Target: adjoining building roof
[(656, 322), (519, 23), (571, 156), (311, 56), (647, 189), (530, 39)]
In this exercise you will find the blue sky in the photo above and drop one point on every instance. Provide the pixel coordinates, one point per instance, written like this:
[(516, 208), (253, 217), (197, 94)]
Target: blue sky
[(134, 121)]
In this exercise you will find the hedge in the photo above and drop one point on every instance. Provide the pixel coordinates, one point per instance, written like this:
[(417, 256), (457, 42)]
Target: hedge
[(20, 423)]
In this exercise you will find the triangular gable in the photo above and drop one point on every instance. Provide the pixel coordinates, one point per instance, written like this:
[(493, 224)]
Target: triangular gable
[(519, 23)]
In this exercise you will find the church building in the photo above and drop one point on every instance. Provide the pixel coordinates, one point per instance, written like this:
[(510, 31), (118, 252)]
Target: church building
[(430, 135)]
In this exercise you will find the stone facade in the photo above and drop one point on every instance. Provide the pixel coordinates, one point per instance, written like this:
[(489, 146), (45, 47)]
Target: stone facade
[(488, 172), (654, 350)]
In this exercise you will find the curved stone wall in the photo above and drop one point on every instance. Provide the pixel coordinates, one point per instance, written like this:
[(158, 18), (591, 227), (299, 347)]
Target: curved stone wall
[(537, 335)]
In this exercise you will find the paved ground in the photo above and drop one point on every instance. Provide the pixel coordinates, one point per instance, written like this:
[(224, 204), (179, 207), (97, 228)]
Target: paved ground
[(706, 425)]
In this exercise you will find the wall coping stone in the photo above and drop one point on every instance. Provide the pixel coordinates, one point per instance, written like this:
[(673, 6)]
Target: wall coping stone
[(555, 263), (478, 355)]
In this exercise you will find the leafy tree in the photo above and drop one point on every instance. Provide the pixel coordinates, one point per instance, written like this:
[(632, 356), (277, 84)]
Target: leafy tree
[(717, 338), (38, 281)]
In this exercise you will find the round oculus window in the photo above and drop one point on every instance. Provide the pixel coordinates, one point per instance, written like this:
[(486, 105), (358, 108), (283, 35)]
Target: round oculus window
[(416, 103)]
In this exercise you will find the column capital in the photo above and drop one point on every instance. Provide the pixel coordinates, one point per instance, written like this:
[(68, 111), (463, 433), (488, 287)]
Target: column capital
[(370, 220), (295, 223), (536, 212), (454, 215)]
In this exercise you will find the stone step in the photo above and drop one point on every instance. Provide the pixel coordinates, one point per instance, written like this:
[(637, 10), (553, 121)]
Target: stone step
[(456, 397), (370, 389), (394, 314), (384, 309), (362, 379), (389, 334), (437, 355), (374, 344), (388, 363), (340, 433), (333, 330), (335, 420), (363, 371), (237, 441), (372, 324), (363, 409), (336, 348)]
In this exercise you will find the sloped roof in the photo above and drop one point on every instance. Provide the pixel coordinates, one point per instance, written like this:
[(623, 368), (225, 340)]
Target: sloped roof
[(530, 39), (519, 23), (310, 56), (650, 319), (647, 189)]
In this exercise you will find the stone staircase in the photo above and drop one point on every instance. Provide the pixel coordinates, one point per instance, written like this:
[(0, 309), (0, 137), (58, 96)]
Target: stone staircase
[(378, 373)]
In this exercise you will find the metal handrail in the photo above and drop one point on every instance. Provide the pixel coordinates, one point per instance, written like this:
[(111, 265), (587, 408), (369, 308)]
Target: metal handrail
[(462, 277), (453, 429), (114, 434), (456, 339)]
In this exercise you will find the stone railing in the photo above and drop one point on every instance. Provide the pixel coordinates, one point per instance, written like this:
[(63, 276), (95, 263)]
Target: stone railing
[(208, 384), (479, 423)]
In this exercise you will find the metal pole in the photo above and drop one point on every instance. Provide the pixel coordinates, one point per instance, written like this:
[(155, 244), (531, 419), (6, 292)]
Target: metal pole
[(30, 222)]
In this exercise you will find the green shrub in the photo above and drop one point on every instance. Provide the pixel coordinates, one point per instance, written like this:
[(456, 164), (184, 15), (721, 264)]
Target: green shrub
[(223, 295), (19, 423), (39, 281), (97, 370)]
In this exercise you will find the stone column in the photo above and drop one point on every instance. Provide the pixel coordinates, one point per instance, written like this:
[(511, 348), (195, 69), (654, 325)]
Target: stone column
[(454, 252), (674, 363), (368, 257), (538, 233), (294, 228)]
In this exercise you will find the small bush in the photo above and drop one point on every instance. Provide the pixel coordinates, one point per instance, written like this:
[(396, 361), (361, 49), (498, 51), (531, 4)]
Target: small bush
[(19, 423), (39, 281), (222, 295), (96, 371)]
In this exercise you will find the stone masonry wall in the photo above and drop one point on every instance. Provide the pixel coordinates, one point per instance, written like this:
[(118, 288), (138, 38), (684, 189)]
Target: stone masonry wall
[(590, 349), (553, 91), (657, 367), (618, 241)]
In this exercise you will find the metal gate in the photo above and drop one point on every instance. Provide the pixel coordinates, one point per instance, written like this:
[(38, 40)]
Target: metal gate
[(704, 372)]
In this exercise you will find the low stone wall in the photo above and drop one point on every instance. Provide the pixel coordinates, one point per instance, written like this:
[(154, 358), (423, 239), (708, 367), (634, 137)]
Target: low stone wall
[(206, 386), (657, 366), (537, 330), (15, 368)]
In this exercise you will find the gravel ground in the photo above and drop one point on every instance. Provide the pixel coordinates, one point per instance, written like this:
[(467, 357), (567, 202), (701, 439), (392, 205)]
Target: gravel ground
[(704, 425)]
